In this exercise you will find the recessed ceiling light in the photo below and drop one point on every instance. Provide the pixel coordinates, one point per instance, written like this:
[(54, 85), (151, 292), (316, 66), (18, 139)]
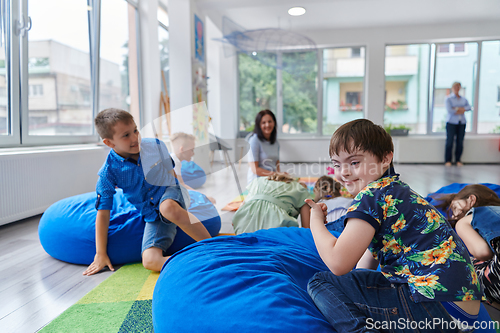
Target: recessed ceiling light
[(297, 11)]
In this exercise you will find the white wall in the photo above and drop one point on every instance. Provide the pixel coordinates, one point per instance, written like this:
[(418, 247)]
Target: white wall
[(33, 179), (375, 40), (180, 53), (150, 61), (222, 85)]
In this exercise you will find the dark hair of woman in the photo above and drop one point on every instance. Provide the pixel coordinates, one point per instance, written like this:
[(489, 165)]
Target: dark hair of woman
[(484, 197), (257, 130)]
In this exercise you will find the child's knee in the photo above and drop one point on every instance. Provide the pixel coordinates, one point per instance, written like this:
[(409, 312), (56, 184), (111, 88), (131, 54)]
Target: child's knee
[(171, 210), (147, 263), (151, 257)]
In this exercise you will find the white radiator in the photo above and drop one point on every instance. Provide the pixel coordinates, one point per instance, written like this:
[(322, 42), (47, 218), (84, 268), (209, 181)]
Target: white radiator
[(32, 180)]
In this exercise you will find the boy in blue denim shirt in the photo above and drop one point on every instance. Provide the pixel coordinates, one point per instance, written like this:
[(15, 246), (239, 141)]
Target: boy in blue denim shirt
[(144, 171), (426, 275)]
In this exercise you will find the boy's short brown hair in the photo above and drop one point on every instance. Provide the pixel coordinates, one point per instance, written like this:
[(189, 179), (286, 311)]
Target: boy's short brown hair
[(107, 119), (364, 135)]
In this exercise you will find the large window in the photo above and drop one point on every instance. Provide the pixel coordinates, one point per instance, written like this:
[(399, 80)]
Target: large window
[(462, 68), (59, 86), (53, 65), (257, 86), (406, 86), (163, 38), (4, 96), (343, 82), (119, 84), (418, 79), (489, 88), (300, 92)]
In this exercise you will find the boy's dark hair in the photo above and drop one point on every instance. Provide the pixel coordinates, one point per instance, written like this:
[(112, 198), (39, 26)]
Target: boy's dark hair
[(484, 197), (257, 129), (107, 119), (364, 135), (326, 188)]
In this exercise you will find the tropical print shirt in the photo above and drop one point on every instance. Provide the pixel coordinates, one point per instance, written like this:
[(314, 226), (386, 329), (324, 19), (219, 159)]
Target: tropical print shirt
[(414, 243)]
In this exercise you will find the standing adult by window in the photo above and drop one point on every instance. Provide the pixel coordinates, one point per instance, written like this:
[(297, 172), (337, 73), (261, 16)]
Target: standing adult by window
[(456, 106), (264, 148)]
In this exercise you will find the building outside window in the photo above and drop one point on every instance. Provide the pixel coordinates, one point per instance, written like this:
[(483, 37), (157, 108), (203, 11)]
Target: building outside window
[(4, 115), (451, 49), (59, 101), (448, 70), (343, 86), (418, 78), (119, 81), (406, 86), (163, 38)]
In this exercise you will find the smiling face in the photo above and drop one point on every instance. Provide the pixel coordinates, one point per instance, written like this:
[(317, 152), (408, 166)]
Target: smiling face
[(359, 168), (267, 126), (126, 139)]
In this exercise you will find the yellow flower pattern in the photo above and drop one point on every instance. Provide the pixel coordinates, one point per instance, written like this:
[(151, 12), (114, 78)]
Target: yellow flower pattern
[(424, 281), (433, 216), (391, 245), (399, 225)]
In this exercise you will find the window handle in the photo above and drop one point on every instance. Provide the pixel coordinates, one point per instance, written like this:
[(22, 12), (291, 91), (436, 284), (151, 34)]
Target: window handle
[(23, 27)]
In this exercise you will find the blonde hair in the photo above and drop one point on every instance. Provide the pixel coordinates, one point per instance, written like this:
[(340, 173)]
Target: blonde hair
[(281, 177), (326, 188), (108, 118), (178, 139)]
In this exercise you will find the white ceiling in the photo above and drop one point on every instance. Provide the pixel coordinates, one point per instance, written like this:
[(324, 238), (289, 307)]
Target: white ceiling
[(337, 14)]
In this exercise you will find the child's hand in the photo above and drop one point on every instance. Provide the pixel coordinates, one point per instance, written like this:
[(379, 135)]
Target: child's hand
[(318, 211), (100, 261), (212, 200)]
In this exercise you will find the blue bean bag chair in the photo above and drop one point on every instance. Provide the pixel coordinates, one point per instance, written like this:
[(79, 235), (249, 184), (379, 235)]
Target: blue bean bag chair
[(192, 174), (67, 228), (254, 282)]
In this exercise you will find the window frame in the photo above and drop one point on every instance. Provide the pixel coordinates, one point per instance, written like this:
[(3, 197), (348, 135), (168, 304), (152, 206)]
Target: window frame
[(319, 104), (11, 75), (433, 54), (16, 62)]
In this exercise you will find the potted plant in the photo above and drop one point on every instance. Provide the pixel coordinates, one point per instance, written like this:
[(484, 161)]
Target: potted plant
[(399, 130)]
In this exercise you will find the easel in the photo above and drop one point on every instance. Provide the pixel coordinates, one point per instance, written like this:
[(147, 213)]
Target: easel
[(164, 105)]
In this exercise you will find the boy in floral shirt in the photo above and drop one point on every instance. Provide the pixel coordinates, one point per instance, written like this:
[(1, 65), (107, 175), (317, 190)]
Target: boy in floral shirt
[(426, 280)]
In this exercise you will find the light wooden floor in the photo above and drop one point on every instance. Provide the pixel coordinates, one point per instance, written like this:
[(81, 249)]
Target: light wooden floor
[(35, 288)]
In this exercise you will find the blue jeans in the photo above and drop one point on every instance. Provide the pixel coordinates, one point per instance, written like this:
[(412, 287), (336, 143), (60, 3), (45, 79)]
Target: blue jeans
[(161, 232), (454, 131), (365, 301)]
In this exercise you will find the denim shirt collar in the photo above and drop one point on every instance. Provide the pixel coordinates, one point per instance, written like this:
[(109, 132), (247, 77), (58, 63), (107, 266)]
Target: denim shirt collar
[(122, 159)]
